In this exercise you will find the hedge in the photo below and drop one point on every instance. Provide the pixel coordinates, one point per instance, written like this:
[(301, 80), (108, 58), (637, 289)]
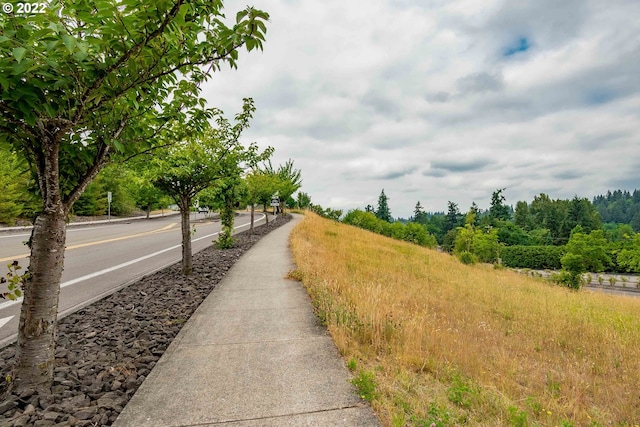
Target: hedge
[(533, 257)]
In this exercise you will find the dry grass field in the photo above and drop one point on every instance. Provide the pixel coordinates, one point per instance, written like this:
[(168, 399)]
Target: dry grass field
[(433, 342)]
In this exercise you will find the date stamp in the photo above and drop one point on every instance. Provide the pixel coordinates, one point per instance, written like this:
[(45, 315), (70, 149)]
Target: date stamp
[(27, 8)]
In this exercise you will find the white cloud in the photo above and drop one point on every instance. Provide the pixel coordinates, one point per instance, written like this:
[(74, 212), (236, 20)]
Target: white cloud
[(445, 100)]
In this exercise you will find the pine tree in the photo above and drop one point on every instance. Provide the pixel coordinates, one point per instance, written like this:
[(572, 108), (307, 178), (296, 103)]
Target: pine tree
[(12, 181), (383, 211), (419, 215), (498, 210), (453, 217)]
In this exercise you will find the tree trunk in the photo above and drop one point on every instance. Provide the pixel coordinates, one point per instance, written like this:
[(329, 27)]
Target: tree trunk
[(185, 214), (37, 331), (148, 211), (253, 208)]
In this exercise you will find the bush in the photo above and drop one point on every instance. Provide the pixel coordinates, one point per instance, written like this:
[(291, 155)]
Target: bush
[(569, 279), (410, 232), (533, 257), (467, 257)]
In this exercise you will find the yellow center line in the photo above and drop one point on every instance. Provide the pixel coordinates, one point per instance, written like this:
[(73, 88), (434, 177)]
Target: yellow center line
[(99, 242)]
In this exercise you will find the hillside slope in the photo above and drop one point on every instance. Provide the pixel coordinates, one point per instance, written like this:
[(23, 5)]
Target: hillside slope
[(434, 342)]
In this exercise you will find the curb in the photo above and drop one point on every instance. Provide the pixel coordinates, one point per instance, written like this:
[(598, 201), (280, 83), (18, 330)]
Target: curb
[(102, 221)]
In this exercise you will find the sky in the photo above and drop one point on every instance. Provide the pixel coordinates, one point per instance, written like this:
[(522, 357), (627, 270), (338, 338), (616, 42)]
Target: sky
[(444, 100)]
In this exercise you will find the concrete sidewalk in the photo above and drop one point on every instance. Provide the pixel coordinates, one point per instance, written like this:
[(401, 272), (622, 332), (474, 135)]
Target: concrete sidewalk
[(253, 354)]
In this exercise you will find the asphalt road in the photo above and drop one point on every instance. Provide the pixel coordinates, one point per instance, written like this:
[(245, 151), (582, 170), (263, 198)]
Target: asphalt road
[(100, 259)]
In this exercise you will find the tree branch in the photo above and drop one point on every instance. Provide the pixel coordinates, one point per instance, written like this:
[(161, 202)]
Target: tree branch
[(125, 57)]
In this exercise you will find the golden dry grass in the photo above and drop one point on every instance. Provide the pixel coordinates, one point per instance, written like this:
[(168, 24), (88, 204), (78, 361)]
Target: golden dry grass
[(451, 344)]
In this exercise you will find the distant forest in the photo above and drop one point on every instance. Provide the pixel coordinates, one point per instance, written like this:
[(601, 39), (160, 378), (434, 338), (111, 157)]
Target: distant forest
[(575, 235), (619, 207), (543, 221)]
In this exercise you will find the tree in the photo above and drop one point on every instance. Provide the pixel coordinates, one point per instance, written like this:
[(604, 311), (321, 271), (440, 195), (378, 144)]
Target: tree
[(93, 200), (585, 252), (419, 215), (80, 83), (230, 191), (187, 169), (383, 212), (549, 214), (261, 185), (193, 165), (452, 219), (498, 210), (476, 213), (12, 180), (629, 258), (522, 218), (303, 200), (512, 235), (290, 180), (465, 236), (581, 212)]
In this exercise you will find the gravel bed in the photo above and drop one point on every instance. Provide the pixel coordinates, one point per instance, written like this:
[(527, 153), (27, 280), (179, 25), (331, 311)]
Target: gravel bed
[(106, 350)]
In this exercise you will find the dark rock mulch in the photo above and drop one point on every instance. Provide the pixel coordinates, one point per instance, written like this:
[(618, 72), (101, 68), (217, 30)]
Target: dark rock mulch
[(106, 350)]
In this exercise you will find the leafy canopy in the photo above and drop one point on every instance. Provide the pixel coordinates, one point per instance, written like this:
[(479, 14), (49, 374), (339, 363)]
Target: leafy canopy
[(91, 77)]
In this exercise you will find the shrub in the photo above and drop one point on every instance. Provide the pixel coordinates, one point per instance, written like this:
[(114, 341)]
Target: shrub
[(411, 232), (467, 257), (534, 257)]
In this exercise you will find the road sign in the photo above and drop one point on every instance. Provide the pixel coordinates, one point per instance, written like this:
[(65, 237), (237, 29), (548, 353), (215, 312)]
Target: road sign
[(275, 202), (109, 197)]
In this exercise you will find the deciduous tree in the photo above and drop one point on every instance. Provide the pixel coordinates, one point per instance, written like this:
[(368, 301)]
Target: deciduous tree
[(194, 164), (261, 185), (81, 82), (290, 180)]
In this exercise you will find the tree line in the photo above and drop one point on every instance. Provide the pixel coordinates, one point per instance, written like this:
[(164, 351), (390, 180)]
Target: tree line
[(546, 233), (85, 86)]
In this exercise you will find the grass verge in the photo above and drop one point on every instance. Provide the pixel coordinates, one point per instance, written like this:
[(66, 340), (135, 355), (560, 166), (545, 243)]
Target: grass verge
[(434, 342)]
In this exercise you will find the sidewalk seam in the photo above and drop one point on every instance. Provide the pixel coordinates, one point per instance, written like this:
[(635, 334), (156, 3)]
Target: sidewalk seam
[(256, 342), (240, 310), (320, 411)]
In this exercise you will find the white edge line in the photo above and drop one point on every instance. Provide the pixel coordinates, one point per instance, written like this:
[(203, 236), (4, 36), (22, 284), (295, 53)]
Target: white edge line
[(119, 266)]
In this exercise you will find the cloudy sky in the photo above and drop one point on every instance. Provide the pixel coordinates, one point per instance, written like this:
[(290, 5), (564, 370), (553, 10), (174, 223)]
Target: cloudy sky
[(439, 100)]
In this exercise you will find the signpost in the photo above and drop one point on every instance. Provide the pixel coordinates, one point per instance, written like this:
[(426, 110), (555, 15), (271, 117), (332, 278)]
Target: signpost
[(109, 198), (275, 202)]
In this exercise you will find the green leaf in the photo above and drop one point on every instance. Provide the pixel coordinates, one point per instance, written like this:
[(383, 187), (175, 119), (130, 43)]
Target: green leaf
[(4, 82), (240, 15), (69, 42), (118, 145), (18, 53), (80, 56)]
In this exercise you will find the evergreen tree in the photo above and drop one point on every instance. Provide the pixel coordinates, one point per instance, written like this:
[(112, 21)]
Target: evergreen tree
[(453, 217), (419, 215), (383, 212), (498, 210), (522, 217), (12, 182), (581, 212), (476, 213)]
